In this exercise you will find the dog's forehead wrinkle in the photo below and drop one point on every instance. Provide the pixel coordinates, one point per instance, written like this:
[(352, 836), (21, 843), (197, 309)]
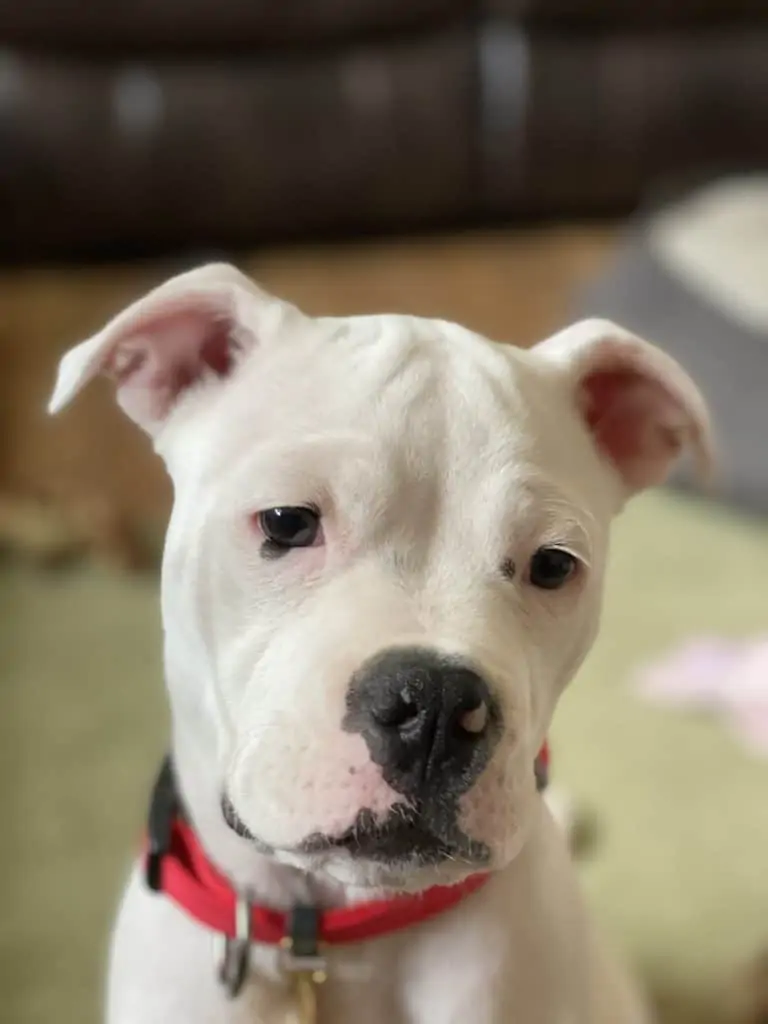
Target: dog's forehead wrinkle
[(343, 381), (435, 398)]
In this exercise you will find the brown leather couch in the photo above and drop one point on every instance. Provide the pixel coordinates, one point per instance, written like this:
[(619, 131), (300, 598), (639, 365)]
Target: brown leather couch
[(162, 124)]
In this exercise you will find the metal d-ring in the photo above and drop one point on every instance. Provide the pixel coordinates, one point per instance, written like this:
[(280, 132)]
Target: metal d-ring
[(232, 966)]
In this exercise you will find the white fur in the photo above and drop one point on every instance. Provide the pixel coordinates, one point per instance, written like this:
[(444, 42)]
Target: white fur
[(435, 456)]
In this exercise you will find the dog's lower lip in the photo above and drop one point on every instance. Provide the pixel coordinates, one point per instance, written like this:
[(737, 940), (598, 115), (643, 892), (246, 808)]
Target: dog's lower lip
[(234, 820), (398, 843)]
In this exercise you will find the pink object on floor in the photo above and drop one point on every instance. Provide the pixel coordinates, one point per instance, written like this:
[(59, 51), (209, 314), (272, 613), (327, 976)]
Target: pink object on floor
[(728, 678)]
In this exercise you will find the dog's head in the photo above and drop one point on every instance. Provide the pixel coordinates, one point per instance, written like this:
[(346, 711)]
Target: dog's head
[(385, 558)]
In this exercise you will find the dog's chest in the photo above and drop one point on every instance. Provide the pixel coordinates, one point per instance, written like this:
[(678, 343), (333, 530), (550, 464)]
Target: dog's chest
[(361, 979), (270, 1003)]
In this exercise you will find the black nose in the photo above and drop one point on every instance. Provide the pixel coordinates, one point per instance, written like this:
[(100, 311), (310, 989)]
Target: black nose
[(429, 720)]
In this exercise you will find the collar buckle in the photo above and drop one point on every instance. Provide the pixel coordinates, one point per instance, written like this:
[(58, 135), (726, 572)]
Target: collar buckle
[(301, 952), (233, 955)]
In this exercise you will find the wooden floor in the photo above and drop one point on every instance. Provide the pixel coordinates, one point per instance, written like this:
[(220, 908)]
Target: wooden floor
[(512, 285)]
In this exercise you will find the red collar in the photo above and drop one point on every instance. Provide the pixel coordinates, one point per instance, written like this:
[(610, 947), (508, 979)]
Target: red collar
[(191, 881), (177, 865)]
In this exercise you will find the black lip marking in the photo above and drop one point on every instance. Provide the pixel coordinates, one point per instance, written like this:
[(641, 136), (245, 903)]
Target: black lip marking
[(400, 838), (235, 822), (403, 837)]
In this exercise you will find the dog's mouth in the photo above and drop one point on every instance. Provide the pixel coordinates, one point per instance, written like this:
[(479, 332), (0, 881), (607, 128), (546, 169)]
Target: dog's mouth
[(399, 839), (404, 839)]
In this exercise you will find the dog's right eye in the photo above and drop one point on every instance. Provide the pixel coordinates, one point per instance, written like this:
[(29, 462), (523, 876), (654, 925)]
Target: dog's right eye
[(551, 568), (288, 527)]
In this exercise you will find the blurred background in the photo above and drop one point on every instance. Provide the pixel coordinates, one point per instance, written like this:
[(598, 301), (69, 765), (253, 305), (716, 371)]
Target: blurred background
[(510, 164)]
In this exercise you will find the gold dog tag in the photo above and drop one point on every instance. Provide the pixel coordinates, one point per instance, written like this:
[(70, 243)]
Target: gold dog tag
[(305, 988), (306, 998), (304, 962)]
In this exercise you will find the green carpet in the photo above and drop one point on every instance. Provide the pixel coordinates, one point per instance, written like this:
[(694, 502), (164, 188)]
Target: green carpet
[(679, 872)]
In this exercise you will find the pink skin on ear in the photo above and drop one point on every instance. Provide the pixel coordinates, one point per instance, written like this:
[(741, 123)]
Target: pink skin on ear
[(635, 422), (191, 343), (189, 329), (640, 406)]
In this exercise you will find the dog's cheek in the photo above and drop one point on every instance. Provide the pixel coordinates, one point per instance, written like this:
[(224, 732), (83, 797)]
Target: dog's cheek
[(499, 808), (317, 785)]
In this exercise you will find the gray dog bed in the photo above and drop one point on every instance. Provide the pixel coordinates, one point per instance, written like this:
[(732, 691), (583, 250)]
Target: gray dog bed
[(693, 278)]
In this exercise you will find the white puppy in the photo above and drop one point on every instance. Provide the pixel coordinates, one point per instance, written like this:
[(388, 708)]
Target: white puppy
[(384, 564)]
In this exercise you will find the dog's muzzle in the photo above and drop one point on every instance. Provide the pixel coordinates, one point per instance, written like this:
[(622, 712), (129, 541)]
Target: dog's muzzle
[(430, 723)]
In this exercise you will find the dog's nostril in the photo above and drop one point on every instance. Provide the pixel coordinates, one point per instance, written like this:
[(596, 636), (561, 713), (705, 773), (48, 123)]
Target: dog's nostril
[(475, 720), (397, 713)]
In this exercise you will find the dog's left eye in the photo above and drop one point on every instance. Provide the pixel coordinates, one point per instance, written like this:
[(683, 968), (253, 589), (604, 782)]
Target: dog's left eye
[(551, 568), (290, 526)]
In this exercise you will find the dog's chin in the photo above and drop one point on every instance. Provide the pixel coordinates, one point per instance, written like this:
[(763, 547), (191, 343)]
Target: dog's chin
[(402, 851), (411, 875), (395, 853)]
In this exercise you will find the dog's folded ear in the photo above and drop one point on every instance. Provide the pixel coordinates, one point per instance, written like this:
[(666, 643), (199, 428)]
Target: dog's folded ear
[(641, 407), (188, 331)]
